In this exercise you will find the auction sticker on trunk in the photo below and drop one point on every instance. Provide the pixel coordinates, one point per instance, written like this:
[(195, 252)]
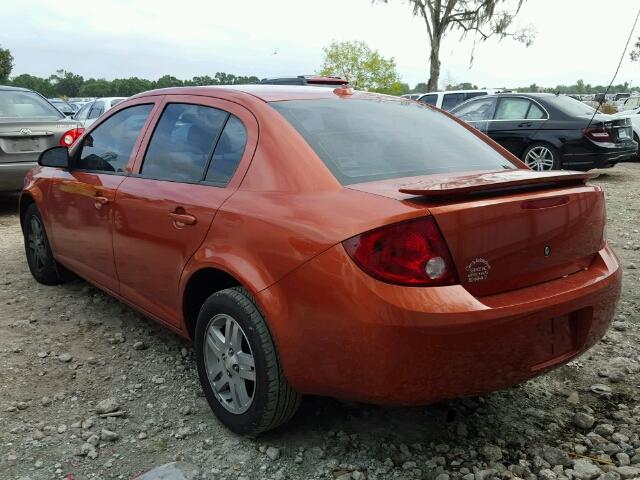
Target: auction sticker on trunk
[(478, 270)]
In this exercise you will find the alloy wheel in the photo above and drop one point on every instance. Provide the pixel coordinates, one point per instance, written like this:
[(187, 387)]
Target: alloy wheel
[(230, 364), (37, 243), (539, 158)]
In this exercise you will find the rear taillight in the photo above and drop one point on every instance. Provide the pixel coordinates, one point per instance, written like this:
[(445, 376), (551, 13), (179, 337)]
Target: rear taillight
[(70, 136), (407, 253), (597, 134)]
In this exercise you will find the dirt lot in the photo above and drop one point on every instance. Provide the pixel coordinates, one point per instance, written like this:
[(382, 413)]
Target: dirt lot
[(70, 352)]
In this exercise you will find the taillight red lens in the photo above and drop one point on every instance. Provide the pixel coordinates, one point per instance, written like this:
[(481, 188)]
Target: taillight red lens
[(597, 134), (70, 136), (407, 253)]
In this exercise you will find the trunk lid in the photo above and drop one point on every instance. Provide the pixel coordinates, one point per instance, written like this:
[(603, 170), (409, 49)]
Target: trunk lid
[(22, 140), (619, 128), (509, 229)]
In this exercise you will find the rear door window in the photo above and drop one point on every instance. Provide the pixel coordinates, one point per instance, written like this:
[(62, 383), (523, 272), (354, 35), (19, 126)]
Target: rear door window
[(476, 111), (108, 147), (535, 112), (512, 109), (450, 100), (429, 99), (97, 109), (83, 112), (228, 152), (183, 142)]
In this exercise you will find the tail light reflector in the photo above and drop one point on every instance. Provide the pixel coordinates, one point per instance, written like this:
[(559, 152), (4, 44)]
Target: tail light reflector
[(597, 134), (409, 253), (70, 136)]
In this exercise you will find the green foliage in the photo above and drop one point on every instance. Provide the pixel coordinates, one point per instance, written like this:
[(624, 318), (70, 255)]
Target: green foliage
[(41, 85), (365, 68), (579, 87), (462, 86), (66, 84), (6, 64)]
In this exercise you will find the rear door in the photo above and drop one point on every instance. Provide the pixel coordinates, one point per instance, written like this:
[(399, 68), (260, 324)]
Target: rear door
[(515, 122), (80, 199), (165, 209)]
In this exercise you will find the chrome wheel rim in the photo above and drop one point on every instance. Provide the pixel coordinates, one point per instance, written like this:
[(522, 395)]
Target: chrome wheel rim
[(539, 158), (230, 364), (37, 243)]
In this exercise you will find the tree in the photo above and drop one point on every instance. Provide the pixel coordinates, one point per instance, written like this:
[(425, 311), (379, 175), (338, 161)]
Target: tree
[(168, 81), (478, 17), (40, 85), (365, 68), (66, 84), (95, 88), (462, 86), (6, 64)]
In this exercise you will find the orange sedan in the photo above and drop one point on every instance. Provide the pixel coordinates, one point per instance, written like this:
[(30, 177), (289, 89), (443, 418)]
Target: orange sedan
[(325, 241)]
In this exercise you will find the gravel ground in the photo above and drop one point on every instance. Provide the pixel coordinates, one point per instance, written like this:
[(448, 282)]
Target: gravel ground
[(91, 389)]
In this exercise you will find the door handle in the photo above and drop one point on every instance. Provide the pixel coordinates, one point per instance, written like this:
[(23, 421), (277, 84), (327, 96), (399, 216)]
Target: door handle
[(99, 201), (525, 124), (181, 219)]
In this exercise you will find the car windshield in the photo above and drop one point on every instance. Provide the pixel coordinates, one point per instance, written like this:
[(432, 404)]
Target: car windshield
[(368, 140), (569, 105), (19, 104)]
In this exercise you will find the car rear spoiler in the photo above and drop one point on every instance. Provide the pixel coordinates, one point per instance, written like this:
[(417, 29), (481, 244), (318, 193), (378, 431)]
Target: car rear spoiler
[(492, 181)]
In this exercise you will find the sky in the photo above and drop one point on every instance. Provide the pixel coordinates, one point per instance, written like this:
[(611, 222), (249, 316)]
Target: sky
[(575, 39)]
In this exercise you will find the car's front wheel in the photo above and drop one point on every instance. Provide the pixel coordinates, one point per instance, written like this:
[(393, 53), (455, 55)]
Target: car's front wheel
[(42, 265), (541, 157), (238, 365)]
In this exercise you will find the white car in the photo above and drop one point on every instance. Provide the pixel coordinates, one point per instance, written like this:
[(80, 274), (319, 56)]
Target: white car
[(92, 110), (634, 115), (451, 98)]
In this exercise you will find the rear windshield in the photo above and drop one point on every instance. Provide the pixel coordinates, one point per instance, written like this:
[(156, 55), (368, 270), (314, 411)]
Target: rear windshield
[(18, 104), (569, 105), (367, 140)]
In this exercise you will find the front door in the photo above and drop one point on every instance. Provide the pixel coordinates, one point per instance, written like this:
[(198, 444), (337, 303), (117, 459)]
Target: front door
[(81, 198), (164, 211)]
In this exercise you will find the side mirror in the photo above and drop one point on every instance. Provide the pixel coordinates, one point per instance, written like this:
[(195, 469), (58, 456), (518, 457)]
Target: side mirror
[(54, 157)]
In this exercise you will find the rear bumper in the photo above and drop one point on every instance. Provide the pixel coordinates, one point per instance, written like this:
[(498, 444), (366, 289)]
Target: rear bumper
[(603, 159), (341, 333), (12, 175)]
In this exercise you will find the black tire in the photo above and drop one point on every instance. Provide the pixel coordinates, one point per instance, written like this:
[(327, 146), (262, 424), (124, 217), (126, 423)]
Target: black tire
[(637, 140), (274, 401), (556, 165), (40, 259)]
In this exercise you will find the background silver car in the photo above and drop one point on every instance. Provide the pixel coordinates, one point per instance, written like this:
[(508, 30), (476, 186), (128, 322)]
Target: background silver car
[(90, 112), (29, 124)]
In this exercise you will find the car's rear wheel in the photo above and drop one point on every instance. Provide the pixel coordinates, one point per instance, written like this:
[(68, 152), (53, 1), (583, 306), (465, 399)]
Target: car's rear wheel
[(541, 157), (637, 140), (238, 365), (40, 259)]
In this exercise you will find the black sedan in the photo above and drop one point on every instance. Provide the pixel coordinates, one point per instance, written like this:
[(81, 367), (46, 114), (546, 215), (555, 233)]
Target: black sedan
[(548, 131)]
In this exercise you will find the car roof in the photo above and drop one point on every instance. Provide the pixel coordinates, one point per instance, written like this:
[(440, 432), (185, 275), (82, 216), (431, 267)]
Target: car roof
[(15, 89), (265, 92)]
